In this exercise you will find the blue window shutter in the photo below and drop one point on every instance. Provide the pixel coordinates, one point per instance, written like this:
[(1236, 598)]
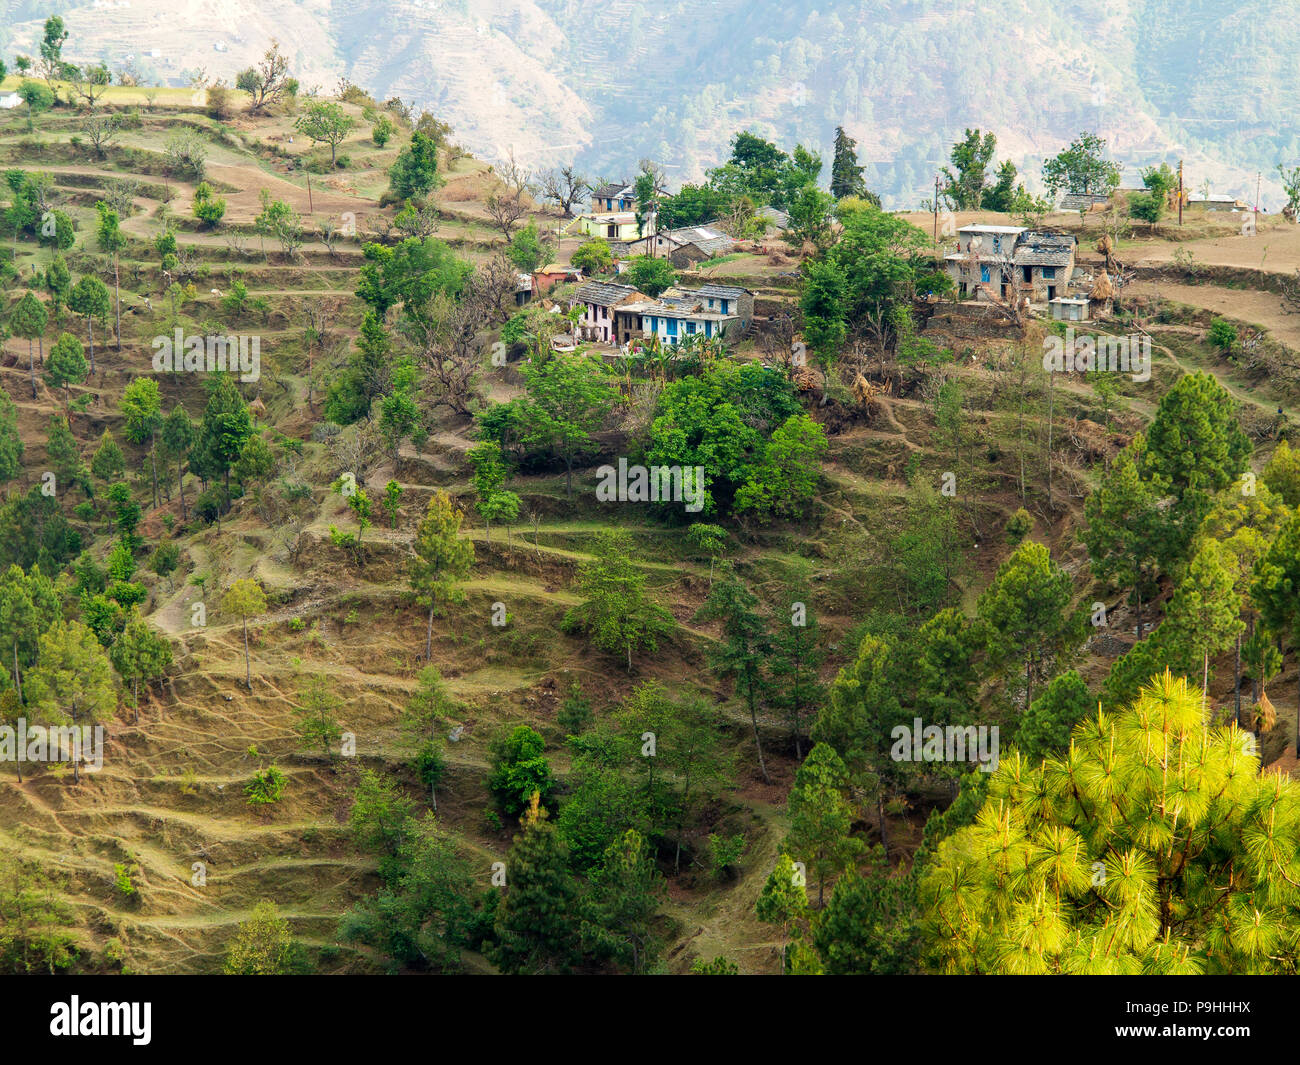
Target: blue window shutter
[(984, 273)]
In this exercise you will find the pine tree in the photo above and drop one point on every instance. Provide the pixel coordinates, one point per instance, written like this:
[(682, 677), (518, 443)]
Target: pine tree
[(1205, 611), (317, 713), (1276, 590), (863, 709), (67, 366), (63, 453), (616, 612), (263, 945), (821, 817), (11, 441), (1151, 845), (89, 298), (745, 646), (442, 560), (245, 599), (142, 418), (869, 926), (222, 432), (784, 902), (112, 240), (619, 914), (139, 654), (431, 705), (1129, 536), (177, 439), (28, 321), (1046, 726), (72, 681), (538, 920), (1282, 474), (846, 174), (1027, 616)]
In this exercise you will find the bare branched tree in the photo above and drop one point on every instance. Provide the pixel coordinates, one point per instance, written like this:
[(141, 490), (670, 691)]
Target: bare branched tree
[(506, 209), (564, 187), (516, 177)]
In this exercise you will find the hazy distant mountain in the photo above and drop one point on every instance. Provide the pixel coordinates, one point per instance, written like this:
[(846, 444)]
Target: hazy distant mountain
[(610, 81)]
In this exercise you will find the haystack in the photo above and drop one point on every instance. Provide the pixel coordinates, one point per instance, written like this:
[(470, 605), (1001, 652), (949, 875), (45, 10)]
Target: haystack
[(1103, 293)]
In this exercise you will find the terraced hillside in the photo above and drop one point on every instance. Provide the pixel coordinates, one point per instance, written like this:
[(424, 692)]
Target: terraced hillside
[(172, 790)]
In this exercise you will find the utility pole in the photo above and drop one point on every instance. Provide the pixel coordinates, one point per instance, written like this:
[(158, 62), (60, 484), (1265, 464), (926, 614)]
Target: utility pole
[(936, 210), (311, 209), (1257, 182), (1180, 192)]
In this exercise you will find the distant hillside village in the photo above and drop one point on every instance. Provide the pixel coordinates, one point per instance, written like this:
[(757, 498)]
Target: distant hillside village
[(621, 284)]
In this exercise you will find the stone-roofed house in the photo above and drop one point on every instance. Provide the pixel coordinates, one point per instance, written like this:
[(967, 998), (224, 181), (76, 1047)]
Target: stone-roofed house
[(1045, 262), (612, 197), (991, 260), (682, 247), (600, 300), (710, 311)]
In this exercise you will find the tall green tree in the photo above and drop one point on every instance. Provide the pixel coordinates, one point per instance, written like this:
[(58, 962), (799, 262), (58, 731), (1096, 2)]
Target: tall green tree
[(538, 918), (442, 560), (245, 599), (11, 441), (1131, 538), (1276, 590), (742, 654), (846, 174), (317, 714), (263, 945), (66, 366), (112, 240), (140, 653), (1205, 611), (1125, 863), (72, 681), (795, 659), (89, 298), (27, 320), (142, 419), (429, 708), (1027, 614), (1082, 168), (621, 908), (821, 817), (222, 432), (178, 437), (971, 156), (616, 613), (568, 400)]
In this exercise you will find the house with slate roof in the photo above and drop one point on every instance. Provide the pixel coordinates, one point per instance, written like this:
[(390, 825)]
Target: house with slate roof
[(992, 260), (710, 311), (682, 247), (600, 300), (613, 197)]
